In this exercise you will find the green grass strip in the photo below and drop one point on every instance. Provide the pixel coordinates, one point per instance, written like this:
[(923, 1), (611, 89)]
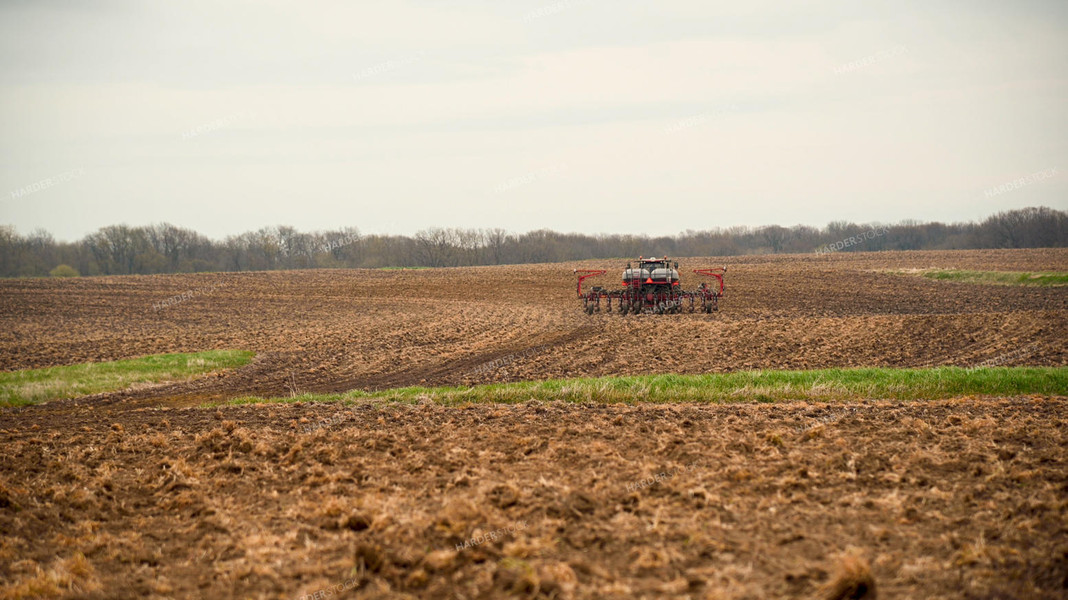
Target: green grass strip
[(1041, 279), (742, 386), (32, 386)]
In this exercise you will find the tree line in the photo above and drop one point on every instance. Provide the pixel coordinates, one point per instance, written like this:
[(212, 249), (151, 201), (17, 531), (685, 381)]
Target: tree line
[(165, 248)]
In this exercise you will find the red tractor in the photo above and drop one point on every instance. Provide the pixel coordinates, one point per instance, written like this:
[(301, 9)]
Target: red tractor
[(652, 287)]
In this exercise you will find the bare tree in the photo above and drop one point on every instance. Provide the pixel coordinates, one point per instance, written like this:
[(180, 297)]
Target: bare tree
[(435, 247), (496, 239), (775, 236)]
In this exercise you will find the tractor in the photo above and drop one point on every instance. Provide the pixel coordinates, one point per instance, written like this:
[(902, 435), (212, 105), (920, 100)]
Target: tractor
[(652, 287)]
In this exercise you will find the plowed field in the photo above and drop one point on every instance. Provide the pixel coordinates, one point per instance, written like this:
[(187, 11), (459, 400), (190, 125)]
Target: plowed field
[(142, 493), (334, 330)]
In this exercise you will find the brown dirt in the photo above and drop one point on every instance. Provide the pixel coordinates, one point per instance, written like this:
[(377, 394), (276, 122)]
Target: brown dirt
[(949, 499), (334, 330), (142, 494)]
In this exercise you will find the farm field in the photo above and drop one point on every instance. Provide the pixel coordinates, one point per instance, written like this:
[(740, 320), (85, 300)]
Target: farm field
[(334, 330), (149, 491)]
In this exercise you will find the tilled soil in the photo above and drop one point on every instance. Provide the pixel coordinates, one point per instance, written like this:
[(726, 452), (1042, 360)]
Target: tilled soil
[(948, 499), (335, 330), (143, 493)]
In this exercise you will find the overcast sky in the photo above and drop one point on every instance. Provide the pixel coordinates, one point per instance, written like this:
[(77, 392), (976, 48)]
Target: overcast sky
[(573, 115)]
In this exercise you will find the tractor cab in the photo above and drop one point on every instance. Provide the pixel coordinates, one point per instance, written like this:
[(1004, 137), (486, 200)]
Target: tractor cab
[(660, 271), (655, 263)]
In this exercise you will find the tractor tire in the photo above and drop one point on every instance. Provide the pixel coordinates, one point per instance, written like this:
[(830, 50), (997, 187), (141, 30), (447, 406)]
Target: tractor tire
[(589, 308)]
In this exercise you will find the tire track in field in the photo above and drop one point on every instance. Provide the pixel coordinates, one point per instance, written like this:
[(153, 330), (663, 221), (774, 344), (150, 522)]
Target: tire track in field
[(451, 371)]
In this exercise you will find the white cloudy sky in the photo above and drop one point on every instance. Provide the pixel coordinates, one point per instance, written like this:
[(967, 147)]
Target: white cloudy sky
[(574, 115)]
